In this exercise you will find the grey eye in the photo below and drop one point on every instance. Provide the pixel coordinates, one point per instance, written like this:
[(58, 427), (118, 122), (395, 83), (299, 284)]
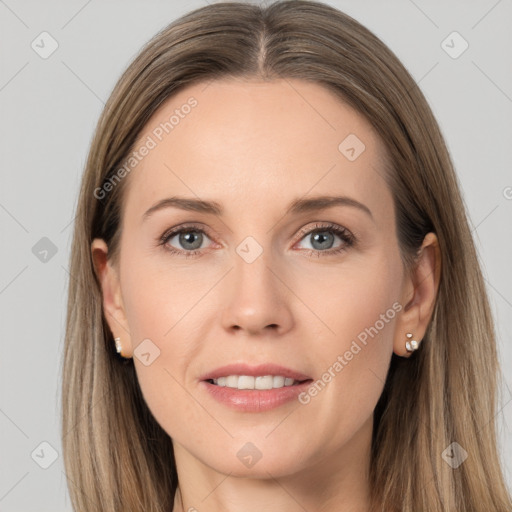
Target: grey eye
[(188, 239), (321, 240)]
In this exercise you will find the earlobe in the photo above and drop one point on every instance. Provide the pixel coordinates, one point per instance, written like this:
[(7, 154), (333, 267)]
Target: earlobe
[(111, 293), (418, 310)]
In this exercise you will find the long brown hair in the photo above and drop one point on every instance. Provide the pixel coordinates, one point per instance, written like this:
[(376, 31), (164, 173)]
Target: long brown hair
[(116, 455)]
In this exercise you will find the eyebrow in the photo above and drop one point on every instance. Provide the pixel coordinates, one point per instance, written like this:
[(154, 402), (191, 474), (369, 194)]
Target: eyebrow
[(300, 205)]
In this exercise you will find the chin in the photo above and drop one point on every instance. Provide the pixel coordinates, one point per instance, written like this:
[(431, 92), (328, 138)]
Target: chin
[(247, 461)]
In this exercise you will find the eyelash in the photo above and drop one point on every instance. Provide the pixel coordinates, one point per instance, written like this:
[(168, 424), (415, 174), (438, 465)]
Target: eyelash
[(346, 236)]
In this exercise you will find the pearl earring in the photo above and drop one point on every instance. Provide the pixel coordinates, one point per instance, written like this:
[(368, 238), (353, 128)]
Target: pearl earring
[(411, 345), (118, 345)]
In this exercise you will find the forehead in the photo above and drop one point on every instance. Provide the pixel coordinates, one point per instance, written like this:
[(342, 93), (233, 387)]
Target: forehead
[(242, 141)]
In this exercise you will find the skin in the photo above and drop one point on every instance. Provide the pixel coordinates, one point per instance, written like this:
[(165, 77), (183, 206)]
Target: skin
[(254, 147)]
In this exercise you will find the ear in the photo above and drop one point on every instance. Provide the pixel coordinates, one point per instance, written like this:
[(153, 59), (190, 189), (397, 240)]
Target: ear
[(113, 307), (419, 294)]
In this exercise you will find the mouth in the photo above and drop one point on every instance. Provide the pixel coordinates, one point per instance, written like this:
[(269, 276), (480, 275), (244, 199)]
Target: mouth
[(261, 376), (259, 382), (255, 394)]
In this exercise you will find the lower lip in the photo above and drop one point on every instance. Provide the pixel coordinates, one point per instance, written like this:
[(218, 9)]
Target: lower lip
[(255, 400)]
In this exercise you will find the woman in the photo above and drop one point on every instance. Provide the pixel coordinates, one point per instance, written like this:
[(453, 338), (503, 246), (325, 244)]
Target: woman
[(248, 371)]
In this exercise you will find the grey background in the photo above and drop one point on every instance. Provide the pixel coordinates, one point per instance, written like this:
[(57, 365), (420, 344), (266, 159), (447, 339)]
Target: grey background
[(49, 108)]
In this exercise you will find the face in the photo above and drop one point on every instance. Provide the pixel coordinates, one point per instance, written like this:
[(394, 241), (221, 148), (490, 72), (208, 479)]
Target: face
[(270, 277)]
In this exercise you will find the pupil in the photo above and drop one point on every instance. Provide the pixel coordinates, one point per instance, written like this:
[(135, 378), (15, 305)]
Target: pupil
[(321, 238), (187, 238)]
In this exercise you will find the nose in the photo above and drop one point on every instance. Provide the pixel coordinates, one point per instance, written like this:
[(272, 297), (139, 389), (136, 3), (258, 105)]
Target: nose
[(258, 300)]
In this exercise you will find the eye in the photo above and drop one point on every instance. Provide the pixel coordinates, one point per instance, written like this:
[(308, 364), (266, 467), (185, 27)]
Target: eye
[(322, 239), (189, 240)]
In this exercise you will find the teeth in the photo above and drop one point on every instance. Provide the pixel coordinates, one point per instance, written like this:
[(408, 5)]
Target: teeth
[(250, 382)]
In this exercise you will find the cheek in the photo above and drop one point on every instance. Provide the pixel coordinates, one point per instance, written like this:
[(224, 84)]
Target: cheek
[(159, 306), (360, 307), (158, 296), (354, 299)]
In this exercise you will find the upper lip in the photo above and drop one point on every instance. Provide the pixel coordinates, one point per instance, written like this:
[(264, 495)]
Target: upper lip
[(261, 369)]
